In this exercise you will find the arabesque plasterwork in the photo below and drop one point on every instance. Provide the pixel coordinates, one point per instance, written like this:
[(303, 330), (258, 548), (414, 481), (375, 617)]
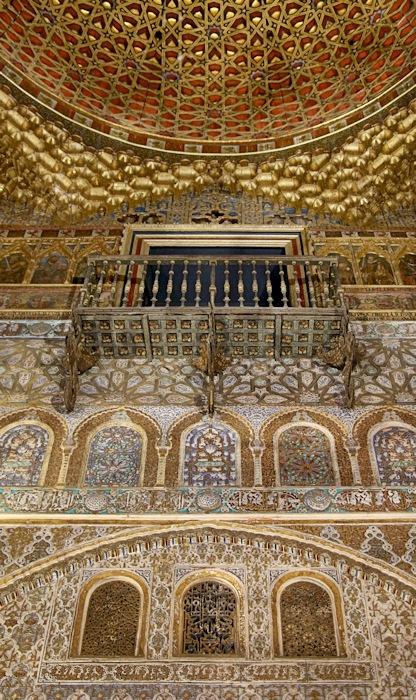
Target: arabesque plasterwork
[(384, 375), (371, 595), (175, 125)]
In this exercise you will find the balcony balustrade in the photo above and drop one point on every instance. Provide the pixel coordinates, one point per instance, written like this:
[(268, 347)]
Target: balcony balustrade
[(156, 306)]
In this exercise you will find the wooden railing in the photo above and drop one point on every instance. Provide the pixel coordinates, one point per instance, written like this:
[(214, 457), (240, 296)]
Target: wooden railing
[(155, 306), (243, 282)]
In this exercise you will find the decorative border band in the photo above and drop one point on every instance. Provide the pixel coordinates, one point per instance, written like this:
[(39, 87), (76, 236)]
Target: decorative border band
[(194, 501)]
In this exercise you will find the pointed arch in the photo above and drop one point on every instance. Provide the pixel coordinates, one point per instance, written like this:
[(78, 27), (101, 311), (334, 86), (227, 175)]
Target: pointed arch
[(51, 265), (14, 261), (79, 264)]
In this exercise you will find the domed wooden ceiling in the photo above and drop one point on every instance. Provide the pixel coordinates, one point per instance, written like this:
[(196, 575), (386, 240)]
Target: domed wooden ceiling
[(210, 72)]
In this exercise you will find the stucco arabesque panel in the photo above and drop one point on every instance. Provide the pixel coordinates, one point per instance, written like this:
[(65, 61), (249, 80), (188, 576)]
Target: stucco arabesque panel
[(32, 373), (211, 549)]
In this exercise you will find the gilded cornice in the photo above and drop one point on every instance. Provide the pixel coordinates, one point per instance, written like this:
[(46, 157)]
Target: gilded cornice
[(54, 171)]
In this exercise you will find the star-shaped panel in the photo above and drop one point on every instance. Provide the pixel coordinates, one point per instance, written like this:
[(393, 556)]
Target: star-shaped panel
[(209, 70)]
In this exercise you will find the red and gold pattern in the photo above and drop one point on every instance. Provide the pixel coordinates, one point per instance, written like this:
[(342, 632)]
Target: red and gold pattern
[(212, 71)]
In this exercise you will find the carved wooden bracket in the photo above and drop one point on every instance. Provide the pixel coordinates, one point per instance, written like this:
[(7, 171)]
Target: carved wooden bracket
[(211, 361), (78, 359)]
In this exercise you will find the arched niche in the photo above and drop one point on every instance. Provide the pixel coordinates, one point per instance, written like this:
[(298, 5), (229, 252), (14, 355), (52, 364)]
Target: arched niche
[(375, 269), (308, 620), (392, 450), (210, 455), (407, 268), (209, 616), (330, 427), (13, 265), (115, 455), (25, 450), (134, 420), (51, 266), (305, 455), (79, 265), (56, 430), (181, 428), (111, 617), (364, 430)]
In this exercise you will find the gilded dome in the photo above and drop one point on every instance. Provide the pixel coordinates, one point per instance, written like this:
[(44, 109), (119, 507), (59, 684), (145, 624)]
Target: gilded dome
[(214, 73)]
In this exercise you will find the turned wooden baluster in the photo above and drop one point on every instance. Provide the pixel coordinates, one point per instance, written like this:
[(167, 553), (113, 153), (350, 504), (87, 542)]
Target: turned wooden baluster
[(339, 292), (184, 285), (198, 286), (155, 287), (332, 283), (212, 286), (227, 287), (114, 284), (99, 287), (169, 287), (310, 284), (317, 285), (128, 284), (86, 296), (255, 285), (283, 287), (324, 284), (142, 285), (240, 286), (297, 285), (269, 288), (89, 301)]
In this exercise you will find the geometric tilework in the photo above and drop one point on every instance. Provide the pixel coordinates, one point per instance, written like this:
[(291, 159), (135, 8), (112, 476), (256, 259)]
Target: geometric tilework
[(305, 457)]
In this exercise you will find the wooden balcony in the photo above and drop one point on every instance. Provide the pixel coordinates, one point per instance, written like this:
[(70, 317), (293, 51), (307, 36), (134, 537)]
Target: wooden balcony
[(151, 307)]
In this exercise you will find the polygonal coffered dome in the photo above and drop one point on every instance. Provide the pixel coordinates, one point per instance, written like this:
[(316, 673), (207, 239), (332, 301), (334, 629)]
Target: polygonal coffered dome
[(212, 71)]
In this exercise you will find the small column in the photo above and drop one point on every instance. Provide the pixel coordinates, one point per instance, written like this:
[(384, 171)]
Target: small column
[(67, 449), (257, 448), (162, 451), (352, 448)]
